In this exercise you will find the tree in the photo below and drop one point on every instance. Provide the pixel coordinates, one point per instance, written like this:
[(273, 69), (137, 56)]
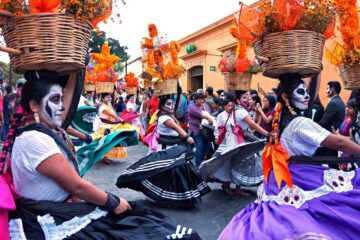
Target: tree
[(4, 68), (97, 40)]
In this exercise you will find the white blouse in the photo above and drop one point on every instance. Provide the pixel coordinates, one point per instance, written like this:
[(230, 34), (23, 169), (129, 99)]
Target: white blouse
[(303, 136), (240, 114), (164, 130), (30, 149)]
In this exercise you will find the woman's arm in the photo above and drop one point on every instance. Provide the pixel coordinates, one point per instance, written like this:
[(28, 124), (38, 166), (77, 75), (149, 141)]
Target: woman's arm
[(207, 116), (170, 123), (76, 133), (56, 165), (106, 112), (264, 117), (255, 126), (341, 143)]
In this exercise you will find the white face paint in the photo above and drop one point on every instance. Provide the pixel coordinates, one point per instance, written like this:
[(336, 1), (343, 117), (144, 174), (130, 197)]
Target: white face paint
[(300, 97), (52, 106), (169, 106), (132, 99)]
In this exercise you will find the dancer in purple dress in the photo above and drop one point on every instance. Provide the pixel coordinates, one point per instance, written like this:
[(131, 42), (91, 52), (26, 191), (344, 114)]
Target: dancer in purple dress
[(300, 201)]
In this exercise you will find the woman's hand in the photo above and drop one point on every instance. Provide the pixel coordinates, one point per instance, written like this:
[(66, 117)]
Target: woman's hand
[(210, 120), (258, 108), (123, 207), (120, 120), (190, 140)]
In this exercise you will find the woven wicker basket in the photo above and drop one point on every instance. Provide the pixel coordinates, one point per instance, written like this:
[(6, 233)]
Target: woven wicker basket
[(89, 87), (165, 87), (104, 87), (55, 42), (238, 81), (131, 90), (295, 51), (350, 76)]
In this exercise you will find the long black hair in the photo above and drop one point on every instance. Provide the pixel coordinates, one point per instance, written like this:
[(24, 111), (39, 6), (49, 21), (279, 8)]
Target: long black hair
[(36, 87), (288, 83), (272, 102), (38, 84)]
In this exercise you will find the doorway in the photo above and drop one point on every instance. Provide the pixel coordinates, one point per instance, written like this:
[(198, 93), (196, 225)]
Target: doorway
[(196, 78)]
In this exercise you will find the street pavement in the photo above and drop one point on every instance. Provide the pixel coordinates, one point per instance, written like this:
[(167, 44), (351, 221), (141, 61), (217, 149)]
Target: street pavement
[(208, 218)]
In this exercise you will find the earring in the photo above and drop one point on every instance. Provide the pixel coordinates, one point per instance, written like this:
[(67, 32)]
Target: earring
[(37, 118), (291, 110)]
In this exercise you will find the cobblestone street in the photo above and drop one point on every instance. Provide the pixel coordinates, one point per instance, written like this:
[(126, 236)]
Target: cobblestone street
[(209, 218)]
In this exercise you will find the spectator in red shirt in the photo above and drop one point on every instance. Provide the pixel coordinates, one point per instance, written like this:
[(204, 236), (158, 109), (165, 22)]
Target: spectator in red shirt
[(152, 106)]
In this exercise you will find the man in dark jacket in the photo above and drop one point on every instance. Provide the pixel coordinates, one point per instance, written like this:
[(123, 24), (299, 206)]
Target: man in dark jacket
[(334, 113)]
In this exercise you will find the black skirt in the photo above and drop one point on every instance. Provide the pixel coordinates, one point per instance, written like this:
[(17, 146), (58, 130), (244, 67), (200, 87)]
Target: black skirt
[(40, 220), (166, 177)]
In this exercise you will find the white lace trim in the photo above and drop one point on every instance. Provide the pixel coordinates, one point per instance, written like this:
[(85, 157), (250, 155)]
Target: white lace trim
[(16, 229), (334, 181), (68, 228), (180, 232)]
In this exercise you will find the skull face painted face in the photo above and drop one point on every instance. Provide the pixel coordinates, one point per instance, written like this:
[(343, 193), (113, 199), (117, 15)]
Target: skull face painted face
[(300, 97), (52, 106), (169, 106), (132, 99)]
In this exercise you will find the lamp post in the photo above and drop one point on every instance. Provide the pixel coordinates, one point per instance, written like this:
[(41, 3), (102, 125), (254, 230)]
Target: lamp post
[(125, 63)]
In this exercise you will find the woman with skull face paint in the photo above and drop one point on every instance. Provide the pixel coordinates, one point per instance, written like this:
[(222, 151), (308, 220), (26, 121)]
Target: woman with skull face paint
[(45, 175), (108, 122), (300, 200), (170, 178)]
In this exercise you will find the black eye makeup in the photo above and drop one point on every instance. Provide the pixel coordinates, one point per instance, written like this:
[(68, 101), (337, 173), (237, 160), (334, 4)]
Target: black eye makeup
[(301, 91), (56, 98)]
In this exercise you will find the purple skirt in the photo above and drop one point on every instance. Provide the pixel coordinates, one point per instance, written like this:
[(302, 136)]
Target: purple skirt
[(323, 204)]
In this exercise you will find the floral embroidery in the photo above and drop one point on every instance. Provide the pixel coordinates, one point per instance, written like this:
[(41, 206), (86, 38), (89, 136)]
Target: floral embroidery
[(339, 181), (16, 229), (334, 181)]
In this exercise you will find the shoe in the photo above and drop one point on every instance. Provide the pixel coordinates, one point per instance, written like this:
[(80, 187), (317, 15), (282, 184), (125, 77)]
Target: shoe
[(227, 190)]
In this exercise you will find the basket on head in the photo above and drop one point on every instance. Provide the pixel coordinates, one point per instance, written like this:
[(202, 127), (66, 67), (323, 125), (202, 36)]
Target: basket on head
[(350, 76), (89, 87), (294, 51), (165, 87), (47, 41), (238, 81), (131, 90), (104, 87)]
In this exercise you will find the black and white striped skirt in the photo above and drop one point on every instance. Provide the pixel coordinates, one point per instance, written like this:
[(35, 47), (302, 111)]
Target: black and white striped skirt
[(166, 177)]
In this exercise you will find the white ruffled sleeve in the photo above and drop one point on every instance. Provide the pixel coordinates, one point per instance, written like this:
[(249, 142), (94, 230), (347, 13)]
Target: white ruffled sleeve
[(310, 132)]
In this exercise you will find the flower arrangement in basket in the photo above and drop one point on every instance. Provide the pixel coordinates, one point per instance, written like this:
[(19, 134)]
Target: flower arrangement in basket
[(101, 71), (347, 56), (238, 70), (28, 27), (146, 79), (164, 73), (132, 83), (288, 36)]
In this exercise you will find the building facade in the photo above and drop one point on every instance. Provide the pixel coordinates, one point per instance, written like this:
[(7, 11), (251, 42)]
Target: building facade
[(210, 42)]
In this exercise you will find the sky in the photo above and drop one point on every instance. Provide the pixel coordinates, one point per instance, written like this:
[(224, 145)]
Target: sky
[(175, 19)]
